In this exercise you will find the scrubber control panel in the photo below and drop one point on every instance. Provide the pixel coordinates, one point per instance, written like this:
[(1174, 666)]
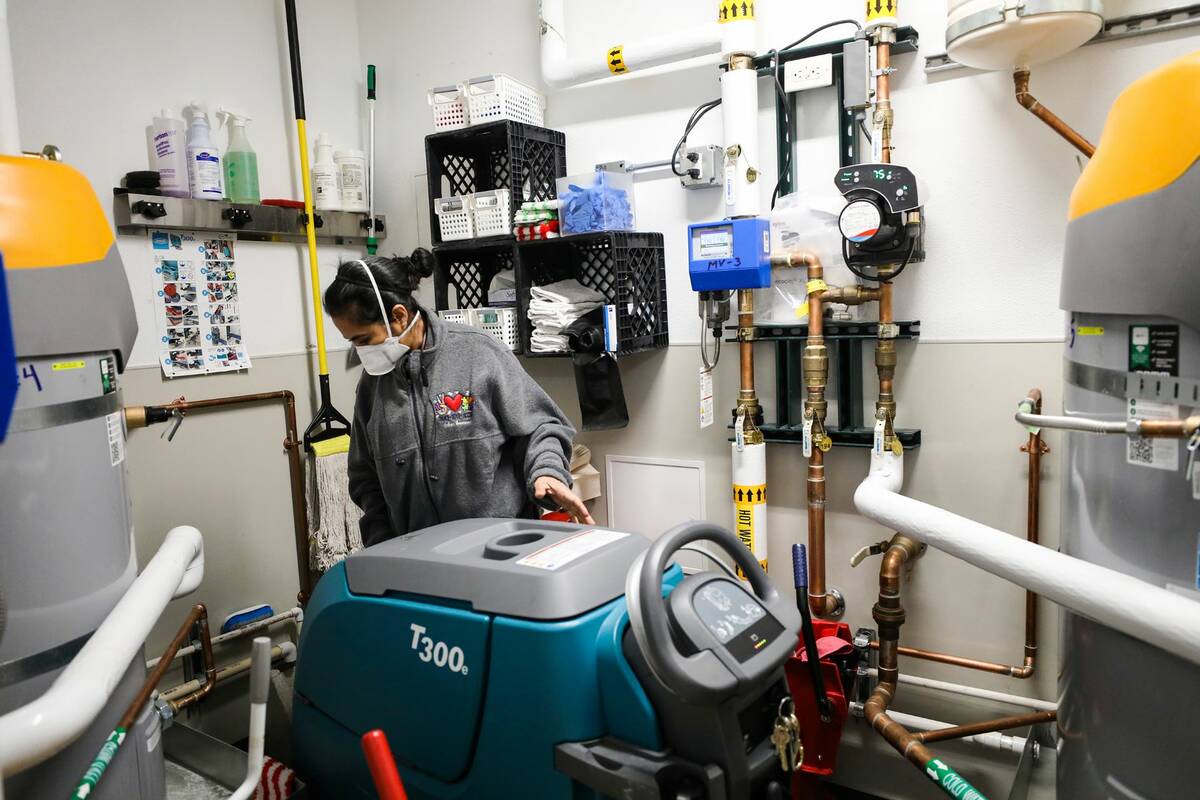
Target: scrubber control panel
[(736, 620)]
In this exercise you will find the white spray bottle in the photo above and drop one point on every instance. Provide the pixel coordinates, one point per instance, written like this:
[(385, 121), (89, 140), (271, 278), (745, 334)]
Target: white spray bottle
[(241, 162), (203, 156), (327, 185), (166, 139)]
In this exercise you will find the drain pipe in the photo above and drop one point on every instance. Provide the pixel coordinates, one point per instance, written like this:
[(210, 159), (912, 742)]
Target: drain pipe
[(749, 449), (1076, 140), (1134, 607), (561, 69)]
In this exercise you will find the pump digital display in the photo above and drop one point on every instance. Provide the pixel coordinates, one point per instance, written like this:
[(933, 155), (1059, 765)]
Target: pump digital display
[(715, 242), (735, 618)]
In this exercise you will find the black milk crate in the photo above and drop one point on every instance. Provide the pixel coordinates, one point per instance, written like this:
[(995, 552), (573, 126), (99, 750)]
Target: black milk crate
[(525, 159), (627, 268), (464, 270)]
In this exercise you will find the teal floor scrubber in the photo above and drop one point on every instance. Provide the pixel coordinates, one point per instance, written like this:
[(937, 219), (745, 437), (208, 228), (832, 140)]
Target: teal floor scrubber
[(528, 659)]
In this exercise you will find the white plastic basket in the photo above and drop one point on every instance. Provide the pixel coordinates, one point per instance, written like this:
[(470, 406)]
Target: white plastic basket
[(449, 105), (458, 315), (499, 322), (492, 212), (500, 96), (454, 218)]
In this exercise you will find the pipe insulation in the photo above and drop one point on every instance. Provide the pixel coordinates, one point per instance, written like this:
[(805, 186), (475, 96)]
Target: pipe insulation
[(40, 729), (1133, 607), (743, 165), (972, 691), (563, 66), (750, 498), (10, 134), (296, 613)]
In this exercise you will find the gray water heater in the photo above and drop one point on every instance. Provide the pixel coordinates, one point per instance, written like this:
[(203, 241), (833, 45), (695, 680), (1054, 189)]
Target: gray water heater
[(1131, 284), (66, 530)]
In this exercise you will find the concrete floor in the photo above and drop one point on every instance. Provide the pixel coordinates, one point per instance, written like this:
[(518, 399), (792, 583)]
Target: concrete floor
[(183, 784)]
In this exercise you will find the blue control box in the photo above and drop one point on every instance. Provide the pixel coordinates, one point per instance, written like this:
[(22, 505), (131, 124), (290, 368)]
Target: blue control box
[(730, 254), (8, 359)]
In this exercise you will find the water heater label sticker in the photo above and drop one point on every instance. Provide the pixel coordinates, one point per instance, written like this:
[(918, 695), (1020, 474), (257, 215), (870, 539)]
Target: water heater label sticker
[(1154, 348), (564, 552), (116, 438), (1154, 453), (62, 366)]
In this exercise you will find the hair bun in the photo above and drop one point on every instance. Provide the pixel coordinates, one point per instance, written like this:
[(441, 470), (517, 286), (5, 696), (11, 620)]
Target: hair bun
[(422, 262)]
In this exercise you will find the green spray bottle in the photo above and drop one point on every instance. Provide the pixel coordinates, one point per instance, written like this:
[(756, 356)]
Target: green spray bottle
[(241, 162)]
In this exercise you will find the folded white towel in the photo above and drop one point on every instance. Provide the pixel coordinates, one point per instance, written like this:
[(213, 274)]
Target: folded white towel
[(568, 291)]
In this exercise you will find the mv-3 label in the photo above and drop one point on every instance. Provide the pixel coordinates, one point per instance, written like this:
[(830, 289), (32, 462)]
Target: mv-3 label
[(439, 653)]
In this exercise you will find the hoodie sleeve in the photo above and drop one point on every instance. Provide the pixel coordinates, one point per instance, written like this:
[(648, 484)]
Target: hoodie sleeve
[(523, 409), (365, 490)]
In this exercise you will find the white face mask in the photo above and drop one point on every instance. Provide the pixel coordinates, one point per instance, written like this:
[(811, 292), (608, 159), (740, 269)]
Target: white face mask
[(382, 358)]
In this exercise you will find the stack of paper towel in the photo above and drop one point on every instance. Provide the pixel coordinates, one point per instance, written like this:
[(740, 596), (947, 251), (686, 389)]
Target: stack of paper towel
[(552, 309)]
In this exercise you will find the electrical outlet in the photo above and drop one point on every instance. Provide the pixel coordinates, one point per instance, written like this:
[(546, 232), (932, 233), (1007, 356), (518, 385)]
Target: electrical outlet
[(808, 73)]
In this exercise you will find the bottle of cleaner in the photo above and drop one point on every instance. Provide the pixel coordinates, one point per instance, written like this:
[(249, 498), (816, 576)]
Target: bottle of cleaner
[(352, 169), (327, 187), (166, 140), (241, 162), (204, 159)]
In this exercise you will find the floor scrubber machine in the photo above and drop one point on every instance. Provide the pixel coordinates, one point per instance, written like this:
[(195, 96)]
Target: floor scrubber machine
[(531, 659)]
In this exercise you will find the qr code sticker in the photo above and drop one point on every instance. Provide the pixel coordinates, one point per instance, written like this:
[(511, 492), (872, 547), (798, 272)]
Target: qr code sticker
[(1141, 451)]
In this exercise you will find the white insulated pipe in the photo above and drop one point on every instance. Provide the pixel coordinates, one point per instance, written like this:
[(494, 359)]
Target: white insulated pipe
[(38, 730), (993, 739), (750, 498), (563, 68), (260, 682), (973, 691), (10, 134), (1121, 602), (743, 165)]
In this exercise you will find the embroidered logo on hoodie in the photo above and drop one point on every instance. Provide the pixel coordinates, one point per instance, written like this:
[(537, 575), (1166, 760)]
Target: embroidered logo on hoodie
[(453, 408)]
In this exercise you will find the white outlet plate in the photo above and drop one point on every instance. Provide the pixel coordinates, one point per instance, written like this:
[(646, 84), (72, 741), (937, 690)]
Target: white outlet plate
[(808, 73)]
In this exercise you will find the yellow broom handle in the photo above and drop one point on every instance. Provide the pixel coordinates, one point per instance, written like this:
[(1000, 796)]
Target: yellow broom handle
[(310, 230)]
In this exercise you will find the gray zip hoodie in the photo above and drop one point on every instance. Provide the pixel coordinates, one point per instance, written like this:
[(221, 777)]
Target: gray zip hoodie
[(458, 430)]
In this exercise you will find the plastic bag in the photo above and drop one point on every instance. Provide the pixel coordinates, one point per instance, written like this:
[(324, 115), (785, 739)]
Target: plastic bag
[(797, 225)]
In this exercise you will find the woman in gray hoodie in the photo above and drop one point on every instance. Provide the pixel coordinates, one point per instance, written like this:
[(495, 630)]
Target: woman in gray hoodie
[(447, 424)]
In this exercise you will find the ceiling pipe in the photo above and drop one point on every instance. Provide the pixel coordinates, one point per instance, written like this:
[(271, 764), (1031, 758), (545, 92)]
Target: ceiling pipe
[(562, 68), (10, 135), (1126, 604)]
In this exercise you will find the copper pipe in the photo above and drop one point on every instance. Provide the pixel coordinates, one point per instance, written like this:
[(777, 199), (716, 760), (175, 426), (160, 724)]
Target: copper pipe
[(883, 98), (210, 669), (1169, 428), (291, 444), (1021, 85), (746, 344), (955, 661), (197, 617), (852, 295), (987, 726)]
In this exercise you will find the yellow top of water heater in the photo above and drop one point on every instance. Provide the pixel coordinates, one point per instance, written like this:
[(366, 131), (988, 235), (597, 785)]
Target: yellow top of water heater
[(1149, 139), (49, 215)]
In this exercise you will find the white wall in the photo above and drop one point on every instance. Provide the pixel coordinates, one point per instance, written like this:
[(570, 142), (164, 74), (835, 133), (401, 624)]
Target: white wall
[(90, 76)]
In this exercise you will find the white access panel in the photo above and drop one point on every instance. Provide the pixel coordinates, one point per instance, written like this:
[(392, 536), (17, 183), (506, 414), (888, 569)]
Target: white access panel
[(651, 495)]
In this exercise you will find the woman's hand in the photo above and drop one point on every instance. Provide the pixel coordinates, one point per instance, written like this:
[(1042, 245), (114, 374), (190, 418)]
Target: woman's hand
[(554, 489)]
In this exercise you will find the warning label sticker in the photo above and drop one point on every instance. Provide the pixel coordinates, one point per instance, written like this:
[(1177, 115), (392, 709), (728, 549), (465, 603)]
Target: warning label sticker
[(1154, 348), (567, 550), (116, 438), (1154, 453), (745, 498)]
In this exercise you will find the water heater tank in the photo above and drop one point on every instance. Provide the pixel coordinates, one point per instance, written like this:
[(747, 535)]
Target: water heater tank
[(1008, 34)]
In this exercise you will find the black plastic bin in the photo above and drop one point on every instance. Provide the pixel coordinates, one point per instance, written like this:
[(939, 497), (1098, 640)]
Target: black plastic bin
[(525, 159), (464, 271), (627, 268)]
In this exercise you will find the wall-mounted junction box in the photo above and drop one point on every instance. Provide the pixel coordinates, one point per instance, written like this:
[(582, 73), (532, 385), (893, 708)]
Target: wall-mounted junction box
[(702, 166), (808, 73)]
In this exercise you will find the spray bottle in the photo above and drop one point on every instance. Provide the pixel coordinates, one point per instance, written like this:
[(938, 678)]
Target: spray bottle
[(166, 138), (327, 185), (203, 156), (241, 162)]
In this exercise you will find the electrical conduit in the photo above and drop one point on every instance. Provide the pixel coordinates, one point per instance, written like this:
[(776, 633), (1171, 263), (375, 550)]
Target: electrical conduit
[(38, 730)]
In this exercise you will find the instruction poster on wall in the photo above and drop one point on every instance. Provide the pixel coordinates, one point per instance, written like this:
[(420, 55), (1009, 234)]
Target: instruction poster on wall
[(196, 303)]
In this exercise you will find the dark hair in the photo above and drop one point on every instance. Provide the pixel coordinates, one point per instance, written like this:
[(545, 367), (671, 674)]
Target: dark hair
[(352, 296)]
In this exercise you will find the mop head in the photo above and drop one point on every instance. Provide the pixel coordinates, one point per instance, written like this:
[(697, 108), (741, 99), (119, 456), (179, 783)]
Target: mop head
[(333, 517)]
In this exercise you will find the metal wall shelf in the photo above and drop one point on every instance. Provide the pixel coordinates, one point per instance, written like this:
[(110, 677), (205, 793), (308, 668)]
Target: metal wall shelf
[(137, 214)]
